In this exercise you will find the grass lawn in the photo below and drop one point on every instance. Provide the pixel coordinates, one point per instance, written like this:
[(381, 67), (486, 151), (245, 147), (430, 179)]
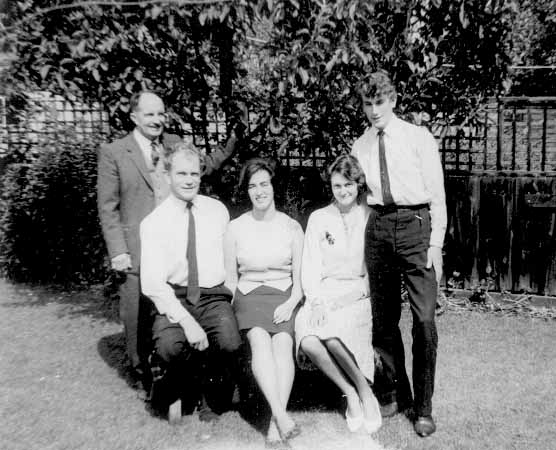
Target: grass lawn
[(63, 385)]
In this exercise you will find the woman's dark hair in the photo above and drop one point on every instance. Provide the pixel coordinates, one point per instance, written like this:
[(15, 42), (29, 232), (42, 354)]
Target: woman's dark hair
[(250, 168), (348, 166)]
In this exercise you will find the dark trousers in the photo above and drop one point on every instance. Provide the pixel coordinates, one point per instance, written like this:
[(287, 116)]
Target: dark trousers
[(396, 244), (136, 315), (185, 365)]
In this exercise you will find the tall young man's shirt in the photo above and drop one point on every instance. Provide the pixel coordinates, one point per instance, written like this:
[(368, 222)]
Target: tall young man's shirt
[(164, 245), (414, 170)]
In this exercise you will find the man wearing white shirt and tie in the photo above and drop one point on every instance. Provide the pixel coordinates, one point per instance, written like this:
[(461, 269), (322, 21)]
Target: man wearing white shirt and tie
[(404, 237), (182, 272)]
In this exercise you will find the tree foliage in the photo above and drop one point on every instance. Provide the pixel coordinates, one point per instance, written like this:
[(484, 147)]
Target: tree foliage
[(445, 57), (533, 37), (105, 53)]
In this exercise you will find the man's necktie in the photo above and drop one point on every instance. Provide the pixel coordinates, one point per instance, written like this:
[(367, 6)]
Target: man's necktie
[(193, 290), (155, 154), (384, 179)]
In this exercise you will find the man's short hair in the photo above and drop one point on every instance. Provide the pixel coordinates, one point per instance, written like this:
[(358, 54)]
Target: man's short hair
[(134, 99), (186, 147), (377, 84)]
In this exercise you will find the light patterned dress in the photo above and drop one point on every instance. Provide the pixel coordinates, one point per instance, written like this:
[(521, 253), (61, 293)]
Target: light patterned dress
[(333, 274)]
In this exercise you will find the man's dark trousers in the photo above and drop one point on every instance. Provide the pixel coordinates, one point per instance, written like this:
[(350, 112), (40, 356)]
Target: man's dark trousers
[(396, 244), (184, 364)]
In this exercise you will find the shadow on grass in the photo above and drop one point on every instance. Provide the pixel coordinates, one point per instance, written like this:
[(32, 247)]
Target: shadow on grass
[(96, 301), (311, 389)]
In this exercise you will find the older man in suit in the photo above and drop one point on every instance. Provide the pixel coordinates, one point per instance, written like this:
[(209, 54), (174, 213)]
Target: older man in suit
[(130, 184)]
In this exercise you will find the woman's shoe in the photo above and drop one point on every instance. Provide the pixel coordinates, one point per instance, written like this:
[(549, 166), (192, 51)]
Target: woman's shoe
[(354, 423), (372, 425)]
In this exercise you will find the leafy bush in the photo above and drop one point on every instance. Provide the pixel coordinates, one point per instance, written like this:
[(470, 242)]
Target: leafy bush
[(49, 229)]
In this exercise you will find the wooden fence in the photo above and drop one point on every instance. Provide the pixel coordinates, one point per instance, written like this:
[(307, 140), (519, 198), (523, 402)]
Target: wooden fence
[(501, 231), (508, 134)]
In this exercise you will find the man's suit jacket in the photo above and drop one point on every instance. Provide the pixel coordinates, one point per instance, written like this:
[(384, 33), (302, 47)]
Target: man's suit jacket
[(125, 194)]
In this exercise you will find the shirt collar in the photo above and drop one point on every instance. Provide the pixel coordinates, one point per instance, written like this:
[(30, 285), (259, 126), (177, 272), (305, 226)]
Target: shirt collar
[(181, 204), (143, 142), (389, 129)]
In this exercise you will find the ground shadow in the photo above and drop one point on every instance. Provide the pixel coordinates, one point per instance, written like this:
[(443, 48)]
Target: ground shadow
[(96, 301), (112, 350), (311, 389)]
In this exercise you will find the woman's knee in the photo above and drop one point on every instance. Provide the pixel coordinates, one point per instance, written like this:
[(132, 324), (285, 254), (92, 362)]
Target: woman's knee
[(334, 345), (311, 345)]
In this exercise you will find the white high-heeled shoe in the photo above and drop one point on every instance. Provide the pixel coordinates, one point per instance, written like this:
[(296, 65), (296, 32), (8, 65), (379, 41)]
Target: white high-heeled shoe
[(373, 425), (354, 423)]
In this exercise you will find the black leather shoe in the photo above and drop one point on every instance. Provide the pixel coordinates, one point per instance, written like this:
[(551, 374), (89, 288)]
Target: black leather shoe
[(424, 426)]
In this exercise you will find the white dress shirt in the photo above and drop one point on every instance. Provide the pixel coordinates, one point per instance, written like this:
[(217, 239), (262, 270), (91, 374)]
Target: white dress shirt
[(414, 170), (164, 244)]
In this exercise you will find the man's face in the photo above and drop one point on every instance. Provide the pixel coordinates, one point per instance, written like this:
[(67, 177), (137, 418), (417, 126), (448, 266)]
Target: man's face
[(379, 110), (150, 116), (184, 176)]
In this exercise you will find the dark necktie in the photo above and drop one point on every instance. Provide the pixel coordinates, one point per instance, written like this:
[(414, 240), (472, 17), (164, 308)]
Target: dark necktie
[(384, 179), (155, 154), (193, 290)]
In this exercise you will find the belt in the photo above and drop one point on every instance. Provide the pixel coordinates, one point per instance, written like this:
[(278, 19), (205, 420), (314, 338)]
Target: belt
[(381, 209)]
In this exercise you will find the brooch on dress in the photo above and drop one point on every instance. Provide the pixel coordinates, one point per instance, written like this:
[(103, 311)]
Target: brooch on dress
[(329, 238)]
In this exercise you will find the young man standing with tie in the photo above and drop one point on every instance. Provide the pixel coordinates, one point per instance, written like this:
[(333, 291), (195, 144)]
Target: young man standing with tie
[(182, 272), (404, 237)]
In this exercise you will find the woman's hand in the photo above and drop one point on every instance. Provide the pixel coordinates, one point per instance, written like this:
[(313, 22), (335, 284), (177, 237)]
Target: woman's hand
[(318, 316), (284, 312)]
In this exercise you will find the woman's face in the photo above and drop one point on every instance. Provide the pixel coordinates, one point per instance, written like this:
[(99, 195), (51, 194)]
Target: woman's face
[(344, 190), (260, 190)]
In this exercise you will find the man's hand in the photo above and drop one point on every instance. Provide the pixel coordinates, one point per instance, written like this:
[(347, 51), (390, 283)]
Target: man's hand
[(284, 311), (194, 334), (434, 259), (122, 262)]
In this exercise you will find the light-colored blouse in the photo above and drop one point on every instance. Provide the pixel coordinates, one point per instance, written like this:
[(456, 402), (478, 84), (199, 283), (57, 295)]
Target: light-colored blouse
[(333, 253), (264, 251)]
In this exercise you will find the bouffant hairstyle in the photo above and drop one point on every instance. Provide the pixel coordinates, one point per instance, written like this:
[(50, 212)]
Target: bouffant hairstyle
[(377, 84), (348, 166)]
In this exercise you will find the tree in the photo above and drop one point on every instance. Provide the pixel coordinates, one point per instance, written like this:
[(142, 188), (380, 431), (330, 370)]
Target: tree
[(445, 57), (102, 53)]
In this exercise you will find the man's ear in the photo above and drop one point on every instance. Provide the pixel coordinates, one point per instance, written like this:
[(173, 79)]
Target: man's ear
[(133, 117)]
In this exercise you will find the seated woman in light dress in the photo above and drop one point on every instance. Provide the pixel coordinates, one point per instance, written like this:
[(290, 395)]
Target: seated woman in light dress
[(263, 250), (333, 328)]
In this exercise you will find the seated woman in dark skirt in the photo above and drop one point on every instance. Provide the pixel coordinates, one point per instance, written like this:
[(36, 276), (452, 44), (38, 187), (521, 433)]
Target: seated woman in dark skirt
[(263, 249)]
